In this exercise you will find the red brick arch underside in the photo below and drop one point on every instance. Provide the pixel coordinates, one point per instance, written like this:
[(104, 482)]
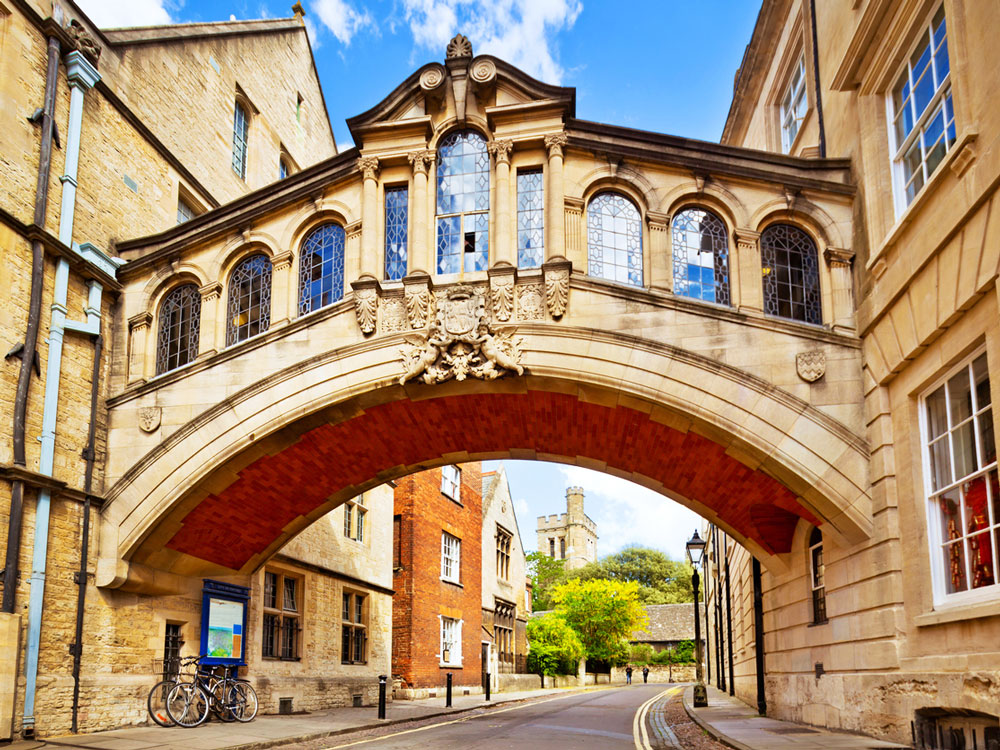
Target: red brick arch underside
[(243, 520)]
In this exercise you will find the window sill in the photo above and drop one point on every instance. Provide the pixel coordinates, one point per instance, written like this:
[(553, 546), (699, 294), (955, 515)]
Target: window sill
[(453, 583), (446, 665), (957, 613), (459, 503)]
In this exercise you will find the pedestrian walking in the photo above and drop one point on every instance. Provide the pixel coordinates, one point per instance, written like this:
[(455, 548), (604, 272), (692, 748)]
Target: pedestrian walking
[(628, 675), (645, 674)]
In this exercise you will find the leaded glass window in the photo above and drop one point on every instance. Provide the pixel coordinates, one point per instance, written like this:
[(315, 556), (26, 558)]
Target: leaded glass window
[(614, 239), (180, 325), (396, 215), (463, 203), (321, 268), (790, 266), (923, 125), (701, 256), (241, 128), (530, 218), (249, 299)]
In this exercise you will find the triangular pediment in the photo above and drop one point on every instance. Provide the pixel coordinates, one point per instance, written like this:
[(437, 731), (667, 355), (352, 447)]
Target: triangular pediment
[(460, 89)]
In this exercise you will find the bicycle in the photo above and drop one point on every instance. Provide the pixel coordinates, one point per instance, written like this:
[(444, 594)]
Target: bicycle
[(156, 701), (231, 699)]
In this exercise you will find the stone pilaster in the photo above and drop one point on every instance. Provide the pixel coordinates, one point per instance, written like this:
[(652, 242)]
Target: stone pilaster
[(211, 313), (554, 193), (369, 168), (283, 288), (419, 257), (352, 252), (139, 339), (748, 257), (503, 248), (841, 287), (575, 244), (661, 266)]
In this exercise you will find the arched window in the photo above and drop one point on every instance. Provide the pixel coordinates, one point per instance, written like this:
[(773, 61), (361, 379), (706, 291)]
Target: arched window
[(463, 203), (241, 129), (180, 324), (321, 268), (790, 265), (614, 239), (249, 299), (701, 256), (817, 573)]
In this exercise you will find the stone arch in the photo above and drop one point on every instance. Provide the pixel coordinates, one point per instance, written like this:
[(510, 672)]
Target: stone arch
[(653, 402), (445, 128), (623, 179), (312, 215), (712, 195), (238, 249), (164, 281), (804, 214)]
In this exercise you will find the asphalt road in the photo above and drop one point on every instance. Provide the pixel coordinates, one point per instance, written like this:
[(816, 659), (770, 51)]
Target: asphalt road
[(601, 720)]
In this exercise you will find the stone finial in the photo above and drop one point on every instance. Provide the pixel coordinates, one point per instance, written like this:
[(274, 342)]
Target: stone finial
[(298, 10), (459, 46)]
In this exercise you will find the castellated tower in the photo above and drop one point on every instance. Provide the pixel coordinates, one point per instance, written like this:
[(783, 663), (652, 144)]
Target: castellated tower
[(570, 536)]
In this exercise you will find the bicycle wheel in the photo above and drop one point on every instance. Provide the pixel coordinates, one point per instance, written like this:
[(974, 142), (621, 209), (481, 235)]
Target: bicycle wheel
[(246, 706), (219, 691), (187, 704), (157, 703)]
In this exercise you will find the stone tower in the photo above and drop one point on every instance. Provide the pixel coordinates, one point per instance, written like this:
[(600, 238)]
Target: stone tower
[(570, 536)]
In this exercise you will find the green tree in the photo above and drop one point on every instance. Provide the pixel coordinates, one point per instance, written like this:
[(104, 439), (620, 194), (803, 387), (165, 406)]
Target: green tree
[(661, 580), (553, 646), (603, 613), (546, 573)]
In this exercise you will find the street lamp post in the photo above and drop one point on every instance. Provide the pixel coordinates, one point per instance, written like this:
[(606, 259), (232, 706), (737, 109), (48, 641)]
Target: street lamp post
[(695, 549)]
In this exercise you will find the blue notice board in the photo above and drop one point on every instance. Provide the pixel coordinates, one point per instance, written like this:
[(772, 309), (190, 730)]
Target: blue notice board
[(224, 623)]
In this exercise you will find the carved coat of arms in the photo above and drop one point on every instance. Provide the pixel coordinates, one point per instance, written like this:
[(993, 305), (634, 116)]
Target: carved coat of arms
[(811, 366), (460, 343), (149, 418)]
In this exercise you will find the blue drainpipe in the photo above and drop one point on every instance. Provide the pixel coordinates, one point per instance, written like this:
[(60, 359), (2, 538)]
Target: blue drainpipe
[(81, 76)]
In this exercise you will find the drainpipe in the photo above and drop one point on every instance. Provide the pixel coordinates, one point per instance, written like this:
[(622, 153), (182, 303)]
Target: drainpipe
[(758, 636), (819, 91), (81, 76), (729, 616), (29, 355)]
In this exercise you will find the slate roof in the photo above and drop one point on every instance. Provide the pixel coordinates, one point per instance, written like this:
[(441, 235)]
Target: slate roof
[(667, 622)]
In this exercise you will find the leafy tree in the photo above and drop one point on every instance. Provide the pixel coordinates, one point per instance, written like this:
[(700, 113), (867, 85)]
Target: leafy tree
[(684, 652), (640, 653), (661, 580), (603, 613), (554, 647), (546, 573)]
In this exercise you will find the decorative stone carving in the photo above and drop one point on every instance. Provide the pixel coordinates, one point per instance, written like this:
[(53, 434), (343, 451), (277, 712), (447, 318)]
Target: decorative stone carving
[(460, 343), (555, 143), (459, 46), (836, 257), (432, 76), (84, 42), (811, 366), (502, 294), (394, 315), (483, 71), (366, 306), (501, 150), (529, 302), (368, 165), (149, 418), (418, 303), (556, 275), (420, 160)]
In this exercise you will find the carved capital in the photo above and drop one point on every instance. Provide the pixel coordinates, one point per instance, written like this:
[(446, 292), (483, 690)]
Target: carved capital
[(420, 160), (838, 258), (501, 150), (747, 238), (281, 261), (352, 230), (572, 206), (210, 291), (555, 143), (140, 320), (368, 166), (657, 222)]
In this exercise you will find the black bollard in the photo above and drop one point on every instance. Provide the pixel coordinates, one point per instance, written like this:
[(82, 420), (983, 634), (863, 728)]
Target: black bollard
[(447, 695), (487, 686), (381, 696)]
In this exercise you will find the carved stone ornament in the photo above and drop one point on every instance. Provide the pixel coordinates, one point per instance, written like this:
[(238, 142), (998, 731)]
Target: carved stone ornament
[(149, 418), (483, 71), (84, 42), (811, 366), (418, 301), (459, 46), (368, 166), (420, 160), (501, 149), (557, 291), (502, 296), (432, 76), (555, 143), (460, 343), (366, 308), (394, 315)]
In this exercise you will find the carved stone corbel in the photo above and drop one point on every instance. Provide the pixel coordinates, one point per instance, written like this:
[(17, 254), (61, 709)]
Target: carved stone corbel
[(556, 273), (483, 73), (418, 298), (432, 83), (502, 291), (366, 303)]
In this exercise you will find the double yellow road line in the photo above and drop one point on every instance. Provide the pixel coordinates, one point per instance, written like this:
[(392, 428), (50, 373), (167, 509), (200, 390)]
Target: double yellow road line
[(639, 733)]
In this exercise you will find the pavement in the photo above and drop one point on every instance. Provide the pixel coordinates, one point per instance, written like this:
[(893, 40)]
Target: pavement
[(732, 722)]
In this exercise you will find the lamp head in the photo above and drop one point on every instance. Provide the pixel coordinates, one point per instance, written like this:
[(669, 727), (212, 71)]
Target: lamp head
[(695, 548)]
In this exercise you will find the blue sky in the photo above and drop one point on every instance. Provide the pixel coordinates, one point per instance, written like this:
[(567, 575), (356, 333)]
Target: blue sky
[(660, 65)]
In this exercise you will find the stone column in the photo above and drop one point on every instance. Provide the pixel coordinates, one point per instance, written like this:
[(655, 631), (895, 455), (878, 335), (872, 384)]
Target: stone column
[(748, 257), (841, 287), (575, 248), (555, 234), (661, 266), (211, 296), (138, 327), (368, 165), (281, 288), (503, 249), (419, 256)]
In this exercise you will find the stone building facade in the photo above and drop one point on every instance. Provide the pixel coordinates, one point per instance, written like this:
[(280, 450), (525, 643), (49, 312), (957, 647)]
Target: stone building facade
[(904, 629), (569, 536)]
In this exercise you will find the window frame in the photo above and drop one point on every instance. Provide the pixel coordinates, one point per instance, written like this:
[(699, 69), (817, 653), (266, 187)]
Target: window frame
[(504, 628), (451, 488), (942, 95), (721, 284), (591, 230), (795, 96), (398, 228), (282, 616), (505, 541), (455, 644), (355, 514), (768, 267), (264, 318), (817, 589), (241, 138), (932, 495), (358, 604), (527, 215), (193, 337), (451, 553), (468, 220), (328, 240)]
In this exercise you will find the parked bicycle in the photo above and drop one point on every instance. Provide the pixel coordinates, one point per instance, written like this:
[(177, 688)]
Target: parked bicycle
[(187, 700)]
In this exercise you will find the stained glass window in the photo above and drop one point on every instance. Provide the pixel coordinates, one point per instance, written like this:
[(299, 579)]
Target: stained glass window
[(321, 268), (614, 239), (530, 218), (790, 266), (463, 203), (396, 213), (249, 299), (701, 256), (241, 127), (180, 324)]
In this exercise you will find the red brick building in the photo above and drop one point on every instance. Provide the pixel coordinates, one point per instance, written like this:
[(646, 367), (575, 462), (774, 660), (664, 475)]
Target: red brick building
[(437, 577)]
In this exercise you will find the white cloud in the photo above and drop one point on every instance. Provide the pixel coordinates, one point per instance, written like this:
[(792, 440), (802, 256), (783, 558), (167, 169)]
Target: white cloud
[(341, 19), (518, 31), (110, 14), (627, 513), (313, 31)]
